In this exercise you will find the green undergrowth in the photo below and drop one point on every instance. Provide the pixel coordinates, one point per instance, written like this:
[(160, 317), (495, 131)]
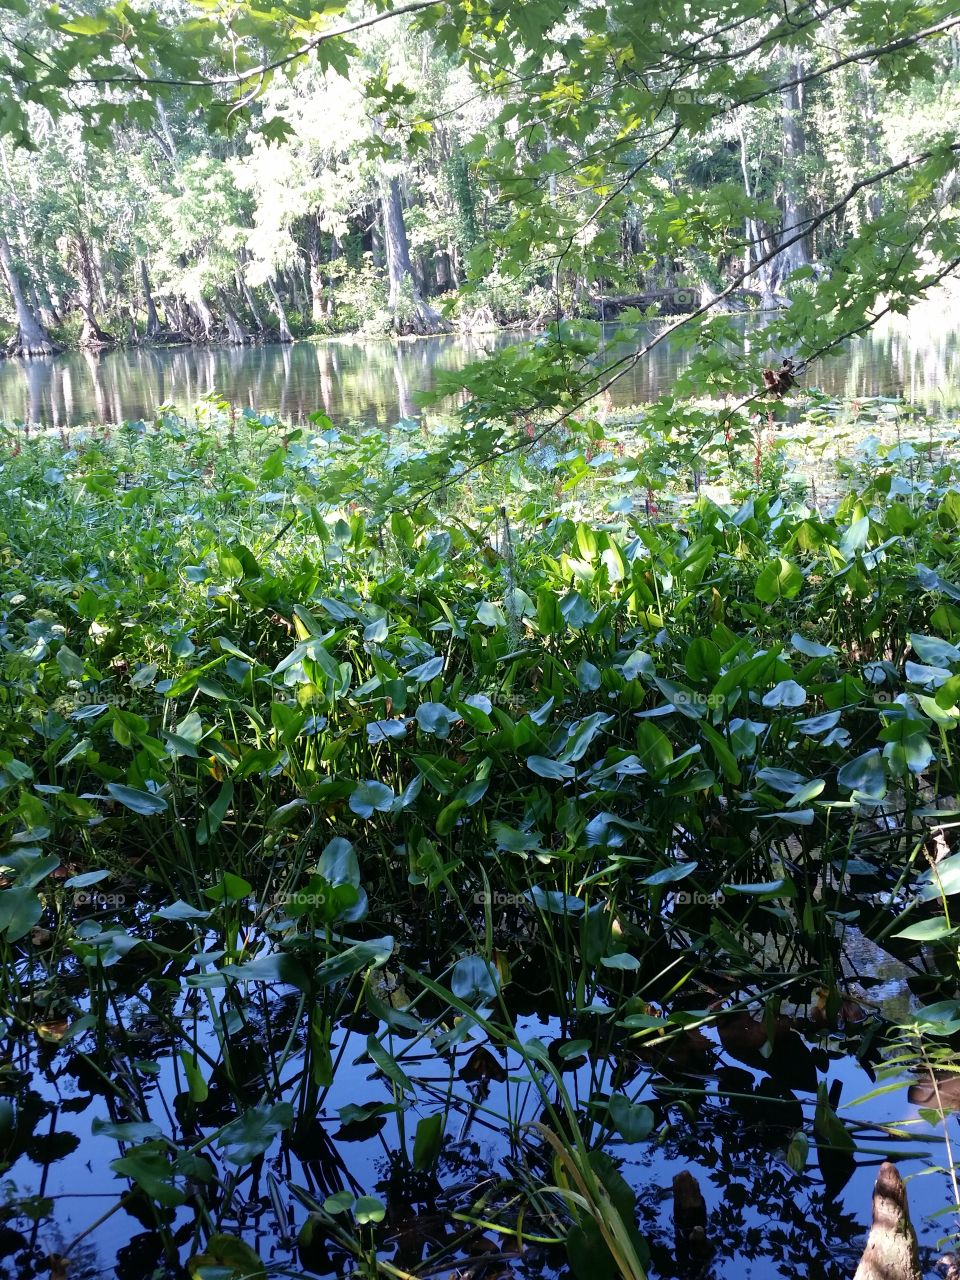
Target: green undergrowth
[(278, 760)]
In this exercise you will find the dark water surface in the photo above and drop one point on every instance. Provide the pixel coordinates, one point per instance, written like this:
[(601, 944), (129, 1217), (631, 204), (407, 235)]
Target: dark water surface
[(378, 380), (723, 1114)]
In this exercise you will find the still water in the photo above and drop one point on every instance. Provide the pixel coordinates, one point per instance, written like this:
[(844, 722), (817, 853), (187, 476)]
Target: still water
[(379, 381)]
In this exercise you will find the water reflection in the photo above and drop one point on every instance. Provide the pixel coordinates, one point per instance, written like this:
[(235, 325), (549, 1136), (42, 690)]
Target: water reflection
[(378, 381)]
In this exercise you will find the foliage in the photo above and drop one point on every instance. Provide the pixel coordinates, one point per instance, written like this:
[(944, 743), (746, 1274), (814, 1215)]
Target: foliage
[(592, 747)]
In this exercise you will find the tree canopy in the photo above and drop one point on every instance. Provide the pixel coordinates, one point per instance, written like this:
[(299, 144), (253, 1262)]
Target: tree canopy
[(271, 169)]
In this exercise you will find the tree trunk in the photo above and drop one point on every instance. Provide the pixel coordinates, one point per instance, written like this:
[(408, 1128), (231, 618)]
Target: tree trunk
[(316, 278), (249, 299), (45, 308), (294, 287), (411, 313), (48, 295), (204, 315), (153, 320), (871, 123), (97, 279), (91, 335), (32, 339), (453, 270), (377, 252), (331, 304), (285, 334), (174, 307), (748, 226), (794, 255), (236, 334)]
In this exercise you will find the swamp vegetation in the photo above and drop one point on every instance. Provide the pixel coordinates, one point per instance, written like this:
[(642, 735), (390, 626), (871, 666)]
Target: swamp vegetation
[(407, 892), (518, 840)]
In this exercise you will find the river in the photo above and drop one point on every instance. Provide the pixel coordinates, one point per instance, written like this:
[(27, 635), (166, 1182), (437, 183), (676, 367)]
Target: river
[(378, 380)]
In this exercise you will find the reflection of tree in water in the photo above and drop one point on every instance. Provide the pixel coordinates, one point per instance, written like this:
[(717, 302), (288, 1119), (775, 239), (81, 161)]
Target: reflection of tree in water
[(379, 381), (763, 1220), (759, 1212)]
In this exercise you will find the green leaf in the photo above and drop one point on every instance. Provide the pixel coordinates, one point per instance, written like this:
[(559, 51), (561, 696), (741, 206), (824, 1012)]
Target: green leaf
[(338, 863), (827, 1126), (371, 797), (724, 756), (582, 734), (437, 719), (426, 671), (196, 1085), (933, 650), (927, 931), (251, 1134), (339, 1202), (369, 1209), (215, 813), (428, 1141), (810, 648), (785, 694), (654, 748), (763, 889), (779, 580), (389, 1065), (71, 664), (20, 909), (143, 802), (865, 775), (474, 980), (362, 955), (150, 1167), (85, 879), (670, 875), (555, 901), (94, 25), (633, 1121), (798, 1151), (226, 1258), (855, 538), (551, 769), (229, 889)]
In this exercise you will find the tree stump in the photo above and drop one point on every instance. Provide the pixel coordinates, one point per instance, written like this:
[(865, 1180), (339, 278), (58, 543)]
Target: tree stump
[(689, 1221), (891, 1252)]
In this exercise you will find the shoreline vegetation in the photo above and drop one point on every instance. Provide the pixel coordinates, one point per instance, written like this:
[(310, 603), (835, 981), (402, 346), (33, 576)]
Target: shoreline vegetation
[(522, 841), (660, 304), (318, 788)]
